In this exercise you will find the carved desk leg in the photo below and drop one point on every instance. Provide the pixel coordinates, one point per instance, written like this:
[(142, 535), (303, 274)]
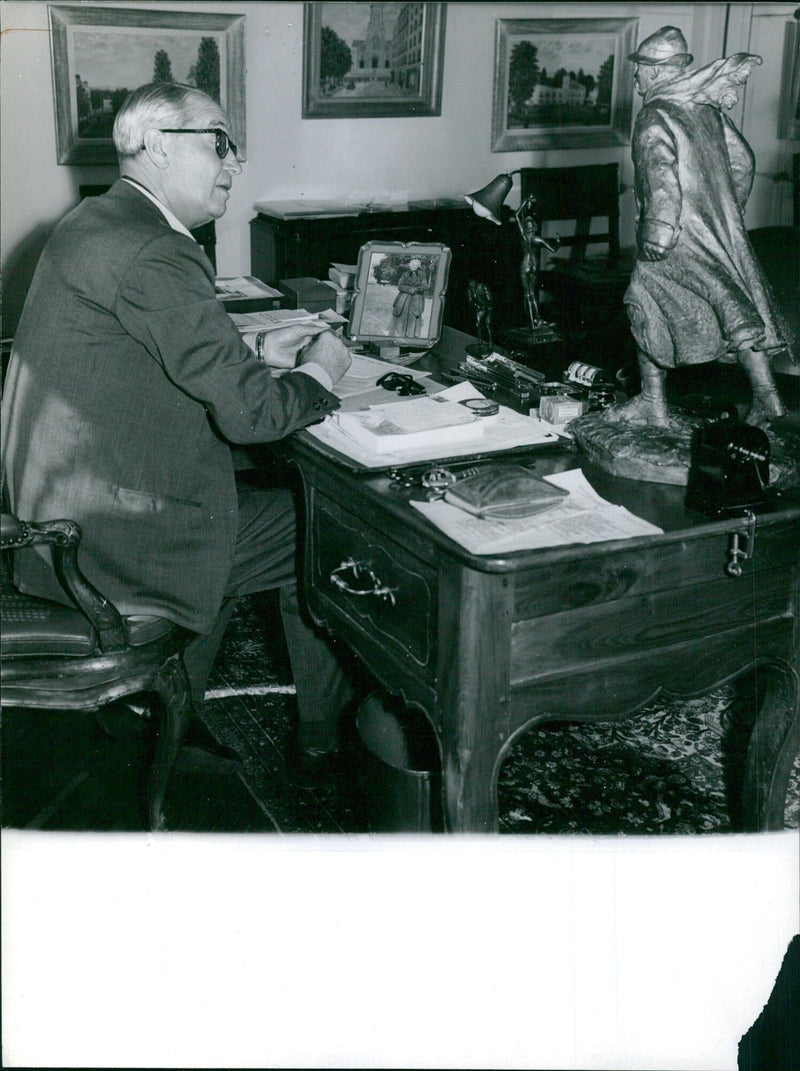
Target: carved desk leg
[(474, 661), (774, 745)]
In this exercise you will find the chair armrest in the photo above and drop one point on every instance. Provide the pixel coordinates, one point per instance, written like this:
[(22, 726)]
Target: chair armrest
[(64, 537), (13, 532)]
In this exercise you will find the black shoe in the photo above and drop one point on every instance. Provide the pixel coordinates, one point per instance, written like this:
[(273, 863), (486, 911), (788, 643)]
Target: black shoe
[(315, 769), (201, 752)]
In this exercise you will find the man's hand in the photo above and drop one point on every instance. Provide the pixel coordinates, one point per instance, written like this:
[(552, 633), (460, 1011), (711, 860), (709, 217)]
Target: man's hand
[(330, 353), (283, 345)]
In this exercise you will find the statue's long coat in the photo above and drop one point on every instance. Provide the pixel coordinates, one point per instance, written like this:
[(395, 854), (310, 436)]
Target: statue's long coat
[(707, 298)]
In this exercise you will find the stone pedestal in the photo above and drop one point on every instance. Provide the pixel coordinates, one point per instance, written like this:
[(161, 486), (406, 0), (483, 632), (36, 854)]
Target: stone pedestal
[(662, 455)]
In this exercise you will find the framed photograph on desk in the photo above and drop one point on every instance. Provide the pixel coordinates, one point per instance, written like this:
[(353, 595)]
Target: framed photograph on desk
[(399, 294)]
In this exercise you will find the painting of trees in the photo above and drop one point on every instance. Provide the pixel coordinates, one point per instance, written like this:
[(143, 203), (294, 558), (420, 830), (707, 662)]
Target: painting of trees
[(562, 83), (162, 68), (206, 71), (523, 72), (100, 54), (335, 58), (605, 85), (564, 98)]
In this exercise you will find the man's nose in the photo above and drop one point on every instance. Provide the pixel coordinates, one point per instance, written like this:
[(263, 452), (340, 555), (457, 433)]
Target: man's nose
[(232, 164)]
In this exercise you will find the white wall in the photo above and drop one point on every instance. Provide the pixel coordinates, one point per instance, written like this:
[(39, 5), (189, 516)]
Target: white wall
[(289, 156)]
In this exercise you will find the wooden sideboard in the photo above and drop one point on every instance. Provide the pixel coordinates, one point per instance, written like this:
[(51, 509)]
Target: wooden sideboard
[(305, 246), (490, 645)]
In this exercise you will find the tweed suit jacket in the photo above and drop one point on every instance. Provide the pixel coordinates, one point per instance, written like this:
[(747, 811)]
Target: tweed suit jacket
[(127, 384)]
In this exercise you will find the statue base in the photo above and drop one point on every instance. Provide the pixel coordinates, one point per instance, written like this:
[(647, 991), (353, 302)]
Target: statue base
[(638, 451), (663, 455), (540, 333), (542, 349)]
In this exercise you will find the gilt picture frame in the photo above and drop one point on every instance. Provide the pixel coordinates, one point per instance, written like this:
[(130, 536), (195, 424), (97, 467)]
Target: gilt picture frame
[(399, 294), (562, 83), (99, 54), (364, 61)]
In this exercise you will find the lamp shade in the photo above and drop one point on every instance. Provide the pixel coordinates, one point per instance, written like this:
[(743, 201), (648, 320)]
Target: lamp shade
[(488, 201)]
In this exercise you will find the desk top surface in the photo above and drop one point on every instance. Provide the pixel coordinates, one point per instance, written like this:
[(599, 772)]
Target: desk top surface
[(661, 504)]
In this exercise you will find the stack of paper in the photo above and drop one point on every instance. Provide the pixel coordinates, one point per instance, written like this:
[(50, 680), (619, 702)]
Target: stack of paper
[(507, 430), (342, 280), (344, 275), (243, 287)]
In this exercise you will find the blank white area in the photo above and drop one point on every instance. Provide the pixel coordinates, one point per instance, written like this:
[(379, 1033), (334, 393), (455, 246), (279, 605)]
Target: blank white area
[(252, 951)]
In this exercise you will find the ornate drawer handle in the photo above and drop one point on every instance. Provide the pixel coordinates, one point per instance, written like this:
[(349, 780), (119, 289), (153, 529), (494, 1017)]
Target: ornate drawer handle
[(351, 572)]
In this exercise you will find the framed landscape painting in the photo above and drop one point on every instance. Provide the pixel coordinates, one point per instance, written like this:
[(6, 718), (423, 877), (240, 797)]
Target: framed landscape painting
[(101, 53), (372, 60), (562, 83)]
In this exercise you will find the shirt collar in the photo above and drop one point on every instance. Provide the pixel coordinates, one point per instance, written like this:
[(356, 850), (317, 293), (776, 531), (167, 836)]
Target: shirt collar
[(173, 220)]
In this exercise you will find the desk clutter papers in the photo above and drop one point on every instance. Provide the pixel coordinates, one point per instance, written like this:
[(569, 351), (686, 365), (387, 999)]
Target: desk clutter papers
[(361, 378), (305, 209), (582, 517), (243, 286), (342, 280), (506, 430), (418, 423), (254, 327)]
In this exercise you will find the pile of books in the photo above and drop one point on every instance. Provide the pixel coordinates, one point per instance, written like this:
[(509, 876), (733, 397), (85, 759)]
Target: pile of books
[(342, 277)]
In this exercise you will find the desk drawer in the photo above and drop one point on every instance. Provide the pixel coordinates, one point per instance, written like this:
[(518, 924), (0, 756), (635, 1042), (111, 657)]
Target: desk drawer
[(387, 593)]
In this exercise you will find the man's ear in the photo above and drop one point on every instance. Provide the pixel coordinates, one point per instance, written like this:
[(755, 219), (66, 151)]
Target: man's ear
[(154, 147)]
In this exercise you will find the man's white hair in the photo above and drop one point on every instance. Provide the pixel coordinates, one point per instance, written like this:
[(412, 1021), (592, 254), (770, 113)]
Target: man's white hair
[(162, 104)]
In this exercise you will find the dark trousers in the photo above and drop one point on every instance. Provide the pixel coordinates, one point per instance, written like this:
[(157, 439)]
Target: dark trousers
[(266, 558)]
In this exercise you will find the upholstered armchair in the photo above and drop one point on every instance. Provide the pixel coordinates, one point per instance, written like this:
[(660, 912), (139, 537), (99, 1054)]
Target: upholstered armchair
[(84, 655)]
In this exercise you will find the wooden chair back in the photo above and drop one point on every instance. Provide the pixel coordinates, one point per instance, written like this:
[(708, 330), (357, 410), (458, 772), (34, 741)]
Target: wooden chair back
[(582, 194)]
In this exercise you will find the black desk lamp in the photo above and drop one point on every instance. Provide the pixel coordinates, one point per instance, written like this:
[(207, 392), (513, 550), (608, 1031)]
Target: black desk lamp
[(488, 204)]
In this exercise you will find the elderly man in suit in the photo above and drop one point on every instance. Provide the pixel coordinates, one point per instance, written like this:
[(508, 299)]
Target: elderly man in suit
[(128, 384)]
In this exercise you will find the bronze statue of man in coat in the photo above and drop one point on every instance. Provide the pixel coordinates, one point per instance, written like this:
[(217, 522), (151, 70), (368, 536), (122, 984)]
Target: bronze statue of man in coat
[(697, 292)]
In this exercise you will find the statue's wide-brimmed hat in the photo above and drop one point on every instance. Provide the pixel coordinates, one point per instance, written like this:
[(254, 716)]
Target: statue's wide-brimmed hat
[(665, 46)]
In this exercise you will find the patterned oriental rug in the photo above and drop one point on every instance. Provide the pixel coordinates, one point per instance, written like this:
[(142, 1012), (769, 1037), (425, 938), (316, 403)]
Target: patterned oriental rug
[(673, 768)]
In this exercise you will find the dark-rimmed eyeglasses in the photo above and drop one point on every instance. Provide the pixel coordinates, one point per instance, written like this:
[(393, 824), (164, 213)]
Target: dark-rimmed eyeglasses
[(222, 142), (401, 382)]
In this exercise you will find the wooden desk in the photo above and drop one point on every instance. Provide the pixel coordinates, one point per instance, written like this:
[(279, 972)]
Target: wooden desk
[(490, 646)]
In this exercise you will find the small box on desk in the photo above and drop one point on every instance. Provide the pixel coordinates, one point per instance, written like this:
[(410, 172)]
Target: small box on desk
[(307, 293)]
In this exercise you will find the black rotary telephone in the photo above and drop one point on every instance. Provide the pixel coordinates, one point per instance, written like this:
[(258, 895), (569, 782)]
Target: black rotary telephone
[(729, 469)]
